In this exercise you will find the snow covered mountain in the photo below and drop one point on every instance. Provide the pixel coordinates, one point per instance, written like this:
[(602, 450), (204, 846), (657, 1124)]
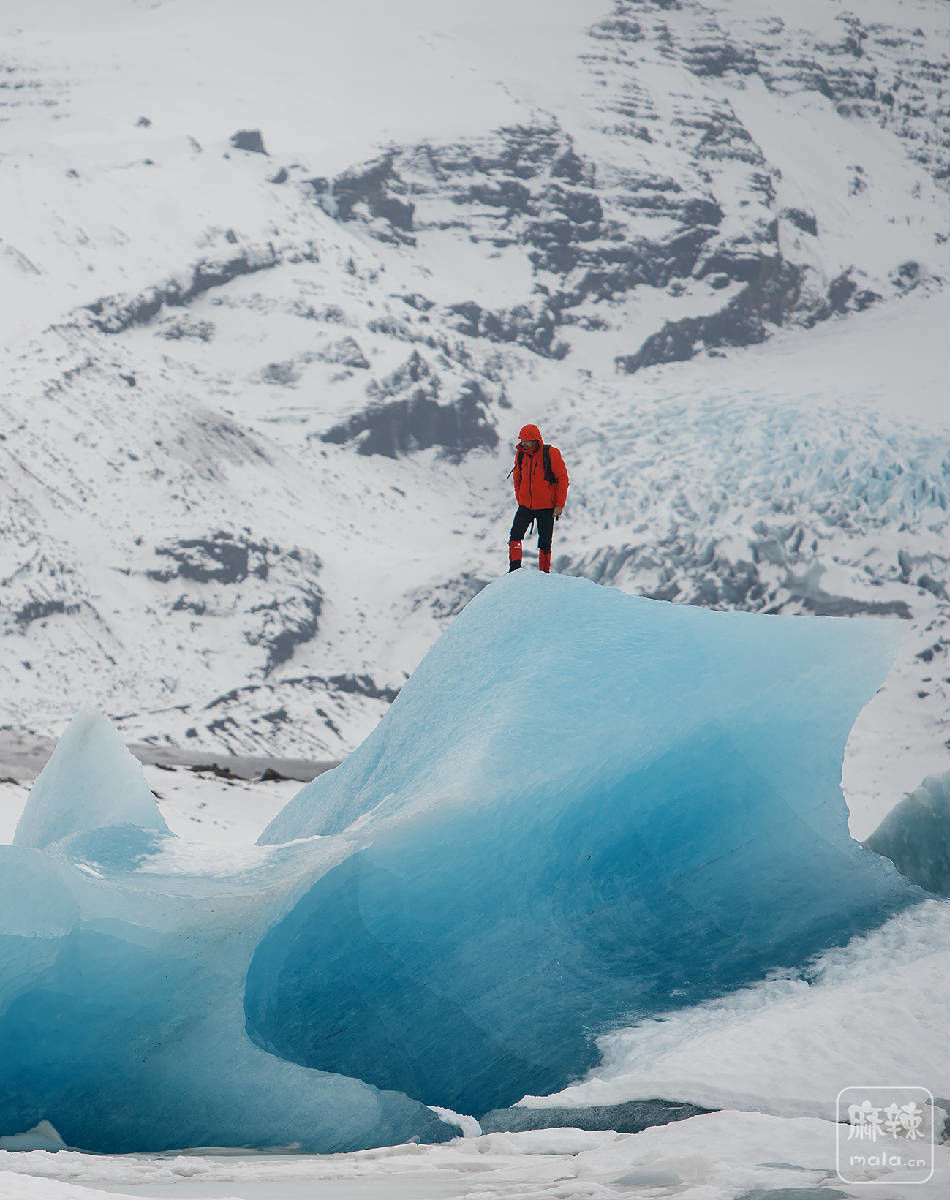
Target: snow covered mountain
[(281, 288)]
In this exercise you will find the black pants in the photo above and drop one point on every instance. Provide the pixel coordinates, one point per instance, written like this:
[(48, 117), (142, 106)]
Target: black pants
[(524, 517)]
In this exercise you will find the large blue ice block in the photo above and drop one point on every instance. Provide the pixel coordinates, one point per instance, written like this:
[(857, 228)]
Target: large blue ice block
[(584, 808)]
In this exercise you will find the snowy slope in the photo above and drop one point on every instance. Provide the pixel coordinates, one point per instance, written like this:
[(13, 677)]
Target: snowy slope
[(260, 406)]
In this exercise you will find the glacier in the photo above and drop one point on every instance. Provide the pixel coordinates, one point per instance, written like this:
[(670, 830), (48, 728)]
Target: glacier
[(584, 808)]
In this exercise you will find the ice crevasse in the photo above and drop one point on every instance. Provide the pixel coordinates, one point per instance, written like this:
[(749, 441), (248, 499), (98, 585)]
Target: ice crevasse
[(583, 809)]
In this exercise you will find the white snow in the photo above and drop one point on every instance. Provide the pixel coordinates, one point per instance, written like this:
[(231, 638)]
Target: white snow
[(876, 1008), (714, 1157)]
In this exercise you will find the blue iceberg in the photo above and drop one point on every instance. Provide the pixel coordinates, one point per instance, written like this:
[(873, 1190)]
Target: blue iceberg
[(583, 808), (91, 781), (122, 963)]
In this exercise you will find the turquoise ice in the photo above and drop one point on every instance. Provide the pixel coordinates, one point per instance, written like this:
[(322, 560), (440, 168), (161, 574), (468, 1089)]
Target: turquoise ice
[(584, 808), (122, 960)]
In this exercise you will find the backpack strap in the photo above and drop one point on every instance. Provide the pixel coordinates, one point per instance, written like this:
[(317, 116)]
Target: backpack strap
[(546, 461)]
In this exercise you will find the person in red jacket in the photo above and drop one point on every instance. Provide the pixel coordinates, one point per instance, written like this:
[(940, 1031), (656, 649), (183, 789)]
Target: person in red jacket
[(540, 479)]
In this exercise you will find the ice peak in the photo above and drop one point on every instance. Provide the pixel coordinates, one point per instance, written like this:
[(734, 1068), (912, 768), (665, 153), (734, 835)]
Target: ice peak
[(91, 781)]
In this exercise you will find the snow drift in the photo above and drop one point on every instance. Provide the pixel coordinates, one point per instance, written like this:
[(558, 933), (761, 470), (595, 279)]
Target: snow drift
[(583, 809)]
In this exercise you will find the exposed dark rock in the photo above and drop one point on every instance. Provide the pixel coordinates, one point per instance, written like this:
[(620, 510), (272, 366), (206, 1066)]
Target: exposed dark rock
[(220, 558), (936, 587), (347, 353), (915, 835), (280, 176), (187, 328), (330, 314), (701, 211), (415, 370), (533, 327), (284, 374), (39, 610), (571, 166), (718, 134), (448, 599), (287, 617), (620, 28), (906, 277), (357, 685), (184, 603), (845, 296), (767, 300), (737, 265), (214, 769), (529, 187), (248, 139), (508, 194), (361, 685), (375, 185), (278, 625), (288, 623), (418, 422), (802, 220), (840, 292), (470, 314), (719, 56), (821, 604), (417, 301), (113, 314), (632, 1116), (581, 207)]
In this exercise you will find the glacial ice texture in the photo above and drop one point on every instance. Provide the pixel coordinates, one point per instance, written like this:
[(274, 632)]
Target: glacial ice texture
[(90, 781), (583, 809), (122, 961)]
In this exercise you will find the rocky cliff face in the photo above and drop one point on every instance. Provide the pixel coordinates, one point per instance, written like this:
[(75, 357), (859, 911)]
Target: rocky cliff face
[(686, 200)]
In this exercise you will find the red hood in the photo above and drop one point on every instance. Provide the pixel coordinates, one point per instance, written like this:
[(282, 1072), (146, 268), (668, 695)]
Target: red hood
[(531, 433)]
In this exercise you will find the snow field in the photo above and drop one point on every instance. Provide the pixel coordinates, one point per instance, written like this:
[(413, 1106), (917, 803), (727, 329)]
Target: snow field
[(714, 1157)]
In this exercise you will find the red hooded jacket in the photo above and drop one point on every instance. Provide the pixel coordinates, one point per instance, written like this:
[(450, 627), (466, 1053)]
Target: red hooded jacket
[(531, 487)]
